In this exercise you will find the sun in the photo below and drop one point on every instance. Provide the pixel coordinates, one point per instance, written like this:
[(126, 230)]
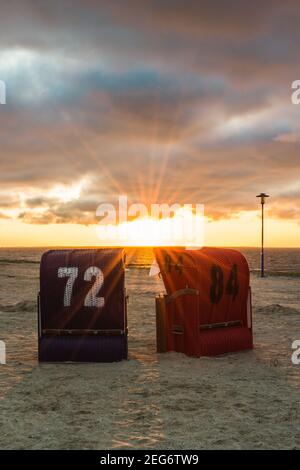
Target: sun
[(63, 193)]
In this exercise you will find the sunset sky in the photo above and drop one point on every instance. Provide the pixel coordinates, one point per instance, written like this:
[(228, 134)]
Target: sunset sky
[(164, 101)]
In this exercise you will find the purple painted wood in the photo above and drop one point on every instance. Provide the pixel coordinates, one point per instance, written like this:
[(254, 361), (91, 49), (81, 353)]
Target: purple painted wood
[(71, 299)]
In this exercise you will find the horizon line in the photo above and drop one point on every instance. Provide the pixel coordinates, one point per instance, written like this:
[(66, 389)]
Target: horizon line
[(143, 246)]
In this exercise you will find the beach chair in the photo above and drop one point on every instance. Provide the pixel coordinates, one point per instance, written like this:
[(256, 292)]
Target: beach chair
[(82, 312), (206, 310)]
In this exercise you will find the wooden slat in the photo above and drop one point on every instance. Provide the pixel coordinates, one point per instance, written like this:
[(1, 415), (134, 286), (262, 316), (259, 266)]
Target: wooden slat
[(209, 326), (178, 330)]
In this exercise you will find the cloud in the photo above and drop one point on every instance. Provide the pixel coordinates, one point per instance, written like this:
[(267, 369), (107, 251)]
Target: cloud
[(164, 101)]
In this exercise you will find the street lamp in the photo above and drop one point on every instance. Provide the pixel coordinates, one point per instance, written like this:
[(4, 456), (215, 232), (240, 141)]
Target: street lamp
[(262, 201)]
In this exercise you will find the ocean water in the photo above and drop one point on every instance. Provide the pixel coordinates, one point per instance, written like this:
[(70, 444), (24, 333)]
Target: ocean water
[(278, 261), (19, 274)]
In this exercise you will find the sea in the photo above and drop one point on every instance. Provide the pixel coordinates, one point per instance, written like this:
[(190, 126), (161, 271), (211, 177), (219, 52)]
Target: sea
[(278, 261), (152, 400)]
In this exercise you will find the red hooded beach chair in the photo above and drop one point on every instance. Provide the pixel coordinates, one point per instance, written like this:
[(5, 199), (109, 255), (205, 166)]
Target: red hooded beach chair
[(82, 313), (207, 308)]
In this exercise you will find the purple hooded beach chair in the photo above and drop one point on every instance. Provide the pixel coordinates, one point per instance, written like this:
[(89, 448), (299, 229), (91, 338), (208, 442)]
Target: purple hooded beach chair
[(82, 315)]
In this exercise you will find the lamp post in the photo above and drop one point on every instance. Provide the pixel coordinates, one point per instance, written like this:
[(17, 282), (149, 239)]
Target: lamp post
[(262, 201)]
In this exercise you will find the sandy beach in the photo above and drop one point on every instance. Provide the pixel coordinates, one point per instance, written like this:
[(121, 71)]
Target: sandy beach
[(246, 400), (170, 130)]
